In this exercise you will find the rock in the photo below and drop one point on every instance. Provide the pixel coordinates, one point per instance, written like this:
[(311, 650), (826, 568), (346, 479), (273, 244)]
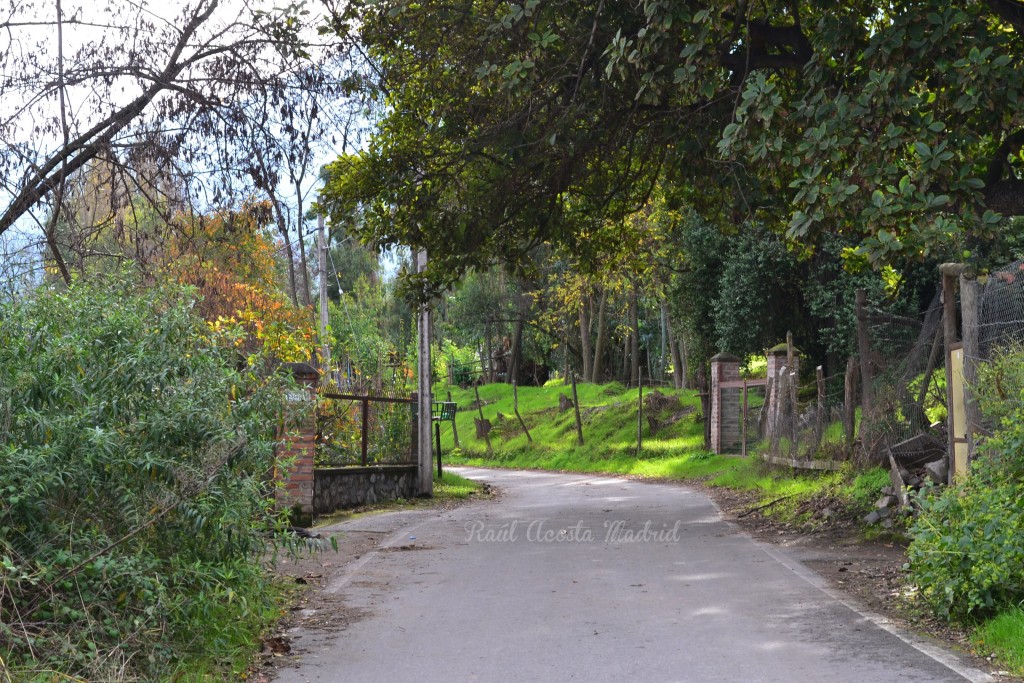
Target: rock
[(873, 517), (938, 471), (885, 502), (884, 513), (564, 403), (887, 524)]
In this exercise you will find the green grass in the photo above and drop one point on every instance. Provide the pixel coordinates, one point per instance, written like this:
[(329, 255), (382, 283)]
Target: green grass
[(673, 452), (453, 487), (609, 415), (1003, 636)]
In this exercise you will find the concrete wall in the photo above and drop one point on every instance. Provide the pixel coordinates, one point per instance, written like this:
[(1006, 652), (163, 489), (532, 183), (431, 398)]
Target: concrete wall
[(337, 488)]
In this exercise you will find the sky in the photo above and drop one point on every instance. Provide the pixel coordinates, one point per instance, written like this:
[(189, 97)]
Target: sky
[(88, 24)]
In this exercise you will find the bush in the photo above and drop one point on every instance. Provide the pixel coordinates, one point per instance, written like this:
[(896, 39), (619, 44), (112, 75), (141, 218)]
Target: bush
[(967, 556), (135, 452)]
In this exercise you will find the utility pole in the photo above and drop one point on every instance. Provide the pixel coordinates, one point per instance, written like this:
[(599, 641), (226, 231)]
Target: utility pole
[(325, 344), (425, 399)]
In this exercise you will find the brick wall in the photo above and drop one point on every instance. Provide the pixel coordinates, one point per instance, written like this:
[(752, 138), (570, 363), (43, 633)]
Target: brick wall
[(725, 404), (296, 453)]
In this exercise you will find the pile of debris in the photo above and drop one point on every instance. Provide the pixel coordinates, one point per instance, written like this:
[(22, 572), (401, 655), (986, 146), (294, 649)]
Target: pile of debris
[(912, 464)]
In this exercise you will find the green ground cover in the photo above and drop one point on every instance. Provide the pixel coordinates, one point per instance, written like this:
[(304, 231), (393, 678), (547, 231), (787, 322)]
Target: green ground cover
[(672, 448)]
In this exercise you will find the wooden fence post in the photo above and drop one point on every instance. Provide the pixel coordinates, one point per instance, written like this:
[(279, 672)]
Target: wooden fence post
[(972, 352), (849, 400), (950, 274), (515, 409), (455, 430), (819, 425), (576, 407), (483, 422), (640, 410)]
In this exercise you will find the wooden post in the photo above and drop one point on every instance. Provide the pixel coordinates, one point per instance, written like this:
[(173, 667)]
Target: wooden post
[(515, 409), (640, 410), (437, 435), (480, 409), (576, 407), (866, 380), (794, 381), (424, 395), (366, 429), (455, 429), (743, 417), (819, 426), (950, 274), (849, 402), (972, 352)]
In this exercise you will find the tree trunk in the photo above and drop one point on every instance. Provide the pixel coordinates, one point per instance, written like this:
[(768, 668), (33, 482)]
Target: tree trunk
[(516, 352), (663, 359), (565, 359), (282, 225), (585, 338), (684, 364), (623, 372), (678, 376), (50, 233), (599, 345), (490, 354), (634, 340), (302, 251)]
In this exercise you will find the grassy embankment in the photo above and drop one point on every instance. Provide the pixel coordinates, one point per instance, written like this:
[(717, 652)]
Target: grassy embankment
[(671, 450)]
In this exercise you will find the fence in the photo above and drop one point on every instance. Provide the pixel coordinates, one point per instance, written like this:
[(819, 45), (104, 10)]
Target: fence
[(811, 421), (364, 424), (911, 392), (903, 380)]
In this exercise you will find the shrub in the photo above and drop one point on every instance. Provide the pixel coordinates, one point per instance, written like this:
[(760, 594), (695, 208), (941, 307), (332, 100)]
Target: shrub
[(135, 448), (967, 556)]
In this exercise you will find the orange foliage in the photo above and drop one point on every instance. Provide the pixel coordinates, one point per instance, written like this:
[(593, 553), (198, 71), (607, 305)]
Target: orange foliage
[(230, 258)]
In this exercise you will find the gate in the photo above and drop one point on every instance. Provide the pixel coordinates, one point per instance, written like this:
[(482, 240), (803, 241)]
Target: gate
[(362, 423)]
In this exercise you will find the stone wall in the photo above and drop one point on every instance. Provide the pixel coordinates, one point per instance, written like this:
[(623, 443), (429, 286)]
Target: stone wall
[(337, 488)]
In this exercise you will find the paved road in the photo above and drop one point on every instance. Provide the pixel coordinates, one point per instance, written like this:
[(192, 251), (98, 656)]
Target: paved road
[(576, 578)]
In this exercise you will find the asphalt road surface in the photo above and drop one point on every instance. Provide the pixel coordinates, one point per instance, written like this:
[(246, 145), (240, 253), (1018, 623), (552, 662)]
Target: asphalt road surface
[(577, 578)]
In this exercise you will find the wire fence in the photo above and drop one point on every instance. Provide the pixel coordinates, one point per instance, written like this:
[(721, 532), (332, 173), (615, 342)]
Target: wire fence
[(363, 432), (906, 397), (810, 421), (1000, 348)]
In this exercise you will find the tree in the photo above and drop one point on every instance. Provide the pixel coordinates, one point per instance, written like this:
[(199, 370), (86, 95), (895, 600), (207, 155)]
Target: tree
[(508, 125), (161, 104)]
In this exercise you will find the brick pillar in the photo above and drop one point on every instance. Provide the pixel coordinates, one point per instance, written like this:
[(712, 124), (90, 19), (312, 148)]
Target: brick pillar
[(299, 446), (725, 408), (776, 363)]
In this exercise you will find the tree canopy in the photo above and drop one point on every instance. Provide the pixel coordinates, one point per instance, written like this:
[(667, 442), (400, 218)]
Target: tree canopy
[(506, 125)]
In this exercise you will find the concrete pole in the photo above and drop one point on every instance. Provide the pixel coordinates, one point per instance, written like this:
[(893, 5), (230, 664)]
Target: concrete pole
[(425, 398), (325, 343)]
